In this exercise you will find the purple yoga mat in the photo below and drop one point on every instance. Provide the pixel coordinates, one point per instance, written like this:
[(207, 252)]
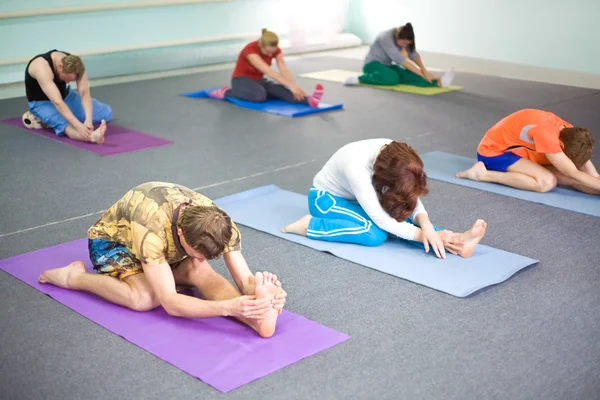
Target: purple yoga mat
[(117, 139), (219, 351)]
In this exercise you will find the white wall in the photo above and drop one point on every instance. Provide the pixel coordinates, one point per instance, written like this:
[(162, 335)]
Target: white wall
[(552, 33), (92, 31)]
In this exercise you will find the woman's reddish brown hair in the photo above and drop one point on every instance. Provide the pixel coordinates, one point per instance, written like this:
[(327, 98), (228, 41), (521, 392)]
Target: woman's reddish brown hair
[(399, 179)]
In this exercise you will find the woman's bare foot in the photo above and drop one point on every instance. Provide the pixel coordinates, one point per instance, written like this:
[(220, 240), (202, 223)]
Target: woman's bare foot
[(265, 288), (63, 277), (472, 237), (474, 173), (98, 134), (299, 227)]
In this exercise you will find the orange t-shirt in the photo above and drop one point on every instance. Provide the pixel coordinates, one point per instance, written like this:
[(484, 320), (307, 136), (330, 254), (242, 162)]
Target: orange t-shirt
[(243, 67), (528, 133)]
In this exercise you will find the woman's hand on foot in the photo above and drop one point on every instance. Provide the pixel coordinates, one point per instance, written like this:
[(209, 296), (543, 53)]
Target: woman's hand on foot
[(453, 242), (298, 93), (429, 76), (433, 239)]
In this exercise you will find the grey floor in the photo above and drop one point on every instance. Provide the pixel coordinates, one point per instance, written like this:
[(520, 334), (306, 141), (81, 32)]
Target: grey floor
[(532, 337)]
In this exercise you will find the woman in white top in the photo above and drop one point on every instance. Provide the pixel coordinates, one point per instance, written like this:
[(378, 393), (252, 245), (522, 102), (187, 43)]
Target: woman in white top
[(369, 189)]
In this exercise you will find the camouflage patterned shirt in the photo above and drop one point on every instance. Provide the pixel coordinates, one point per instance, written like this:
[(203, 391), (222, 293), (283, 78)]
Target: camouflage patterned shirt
[(142, 221)]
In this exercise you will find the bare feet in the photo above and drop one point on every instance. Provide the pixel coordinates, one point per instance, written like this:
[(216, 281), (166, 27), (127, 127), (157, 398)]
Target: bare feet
[(472, 237), (98, 134), (265, 288), (63, 277), (474, 173), (299, 227)]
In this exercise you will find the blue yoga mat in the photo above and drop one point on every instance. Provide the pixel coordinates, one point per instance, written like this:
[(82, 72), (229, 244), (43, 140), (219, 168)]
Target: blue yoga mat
[(443, 167), (269, 208), (277, 107)]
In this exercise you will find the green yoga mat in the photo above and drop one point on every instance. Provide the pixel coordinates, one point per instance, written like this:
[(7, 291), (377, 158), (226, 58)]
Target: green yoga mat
[(340, 75)]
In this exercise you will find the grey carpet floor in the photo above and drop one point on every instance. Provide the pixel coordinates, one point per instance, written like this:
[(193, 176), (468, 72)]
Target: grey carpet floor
[(534, 336)]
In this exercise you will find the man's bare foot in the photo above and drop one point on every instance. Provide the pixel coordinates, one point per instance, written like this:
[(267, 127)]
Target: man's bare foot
[(98, 134), (62, 277), (299, 227), (473, 173), (472, 237), (265, 288)]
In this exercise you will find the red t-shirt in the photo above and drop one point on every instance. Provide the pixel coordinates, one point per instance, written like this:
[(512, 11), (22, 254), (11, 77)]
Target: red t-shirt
[(243, 67)]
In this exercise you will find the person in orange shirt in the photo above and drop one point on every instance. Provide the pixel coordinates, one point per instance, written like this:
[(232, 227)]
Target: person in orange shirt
[(536, 150), (253, 63)]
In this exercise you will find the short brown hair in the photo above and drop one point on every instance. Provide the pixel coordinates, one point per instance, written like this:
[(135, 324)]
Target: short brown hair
[(399, 179), (73, 65), (578, 144), (206, 229)]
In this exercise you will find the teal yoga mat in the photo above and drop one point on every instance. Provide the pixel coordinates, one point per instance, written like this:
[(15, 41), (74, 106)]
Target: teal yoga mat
[(444, 166), (269, 208)]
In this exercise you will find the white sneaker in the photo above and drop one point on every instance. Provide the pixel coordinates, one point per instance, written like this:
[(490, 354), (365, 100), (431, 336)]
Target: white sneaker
[(448, 77), (351, 81), (32, 122)]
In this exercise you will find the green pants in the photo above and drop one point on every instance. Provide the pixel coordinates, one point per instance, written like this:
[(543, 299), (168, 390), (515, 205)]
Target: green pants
[(376, 73)]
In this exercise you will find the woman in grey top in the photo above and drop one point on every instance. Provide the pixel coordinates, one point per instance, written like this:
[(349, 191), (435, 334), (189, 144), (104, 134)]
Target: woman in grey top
[(393, 60)]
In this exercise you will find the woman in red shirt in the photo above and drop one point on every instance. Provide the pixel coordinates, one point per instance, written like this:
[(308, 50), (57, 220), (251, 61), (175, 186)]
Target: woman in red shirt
[(253, 63)]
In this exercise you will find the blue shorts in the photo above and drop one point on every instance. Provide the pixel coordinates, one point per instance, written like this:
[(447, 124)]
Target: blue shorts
[(48, 114), (499, 163), (115, 259)]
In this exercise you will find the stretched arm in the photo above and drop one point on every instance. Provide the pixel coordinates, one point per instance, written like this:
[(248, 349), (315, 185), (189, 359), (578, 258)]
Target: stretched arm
[(283, 69), (238, 267), (414, 69), (424, 72), (589, 169), (367, 197), (162, 283), (83, 86), (582, 180), (43, 74), (262, 66), (362, 187), (388, 45)]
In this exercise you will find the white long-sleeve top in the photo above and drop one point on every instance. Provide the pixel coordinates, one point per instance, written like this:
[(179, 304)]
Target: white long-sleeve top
[(348, 174)]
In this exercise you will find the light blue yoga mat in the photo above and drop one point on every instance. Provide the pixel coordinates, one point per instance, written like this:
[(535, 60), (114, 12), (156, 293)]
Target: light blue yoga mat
[(269, 208), (277, 107), (443, 167)]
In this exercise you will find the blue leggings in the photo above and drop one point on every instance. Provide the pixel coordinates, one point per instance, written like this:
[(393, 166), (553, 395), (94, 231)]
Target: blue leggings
[(335, 219), (48, 114)]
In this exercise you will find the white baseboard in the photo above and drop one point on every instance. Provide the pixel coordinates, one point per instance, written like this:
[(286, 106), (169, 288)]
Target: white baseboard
[(442, 62), (513, 71)]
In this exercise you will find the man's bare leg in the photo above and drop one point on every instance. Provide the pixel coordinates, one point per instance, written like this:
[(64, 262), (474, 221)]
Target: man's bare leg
[(299, 227), (97, 135), (133, 292), (213, 286), (523, 174)]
